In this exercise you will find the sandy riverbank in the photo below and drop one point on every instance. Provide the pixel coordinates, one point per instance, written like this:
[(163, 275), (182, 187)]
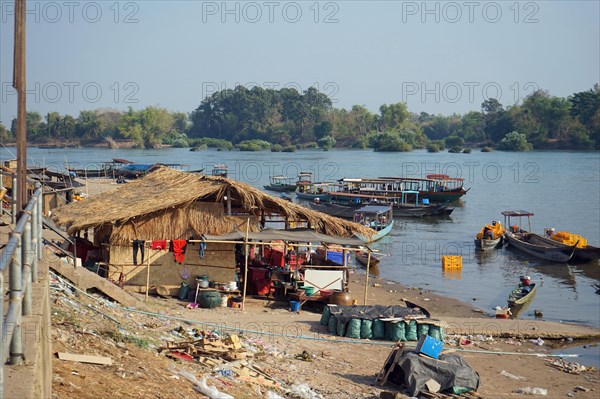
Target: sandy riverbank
[(338, 370)]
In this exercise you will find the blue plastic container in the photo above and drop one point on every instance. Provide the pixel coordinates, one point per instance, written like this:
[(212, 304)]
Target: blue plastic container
[(294, 306), (429, 346)]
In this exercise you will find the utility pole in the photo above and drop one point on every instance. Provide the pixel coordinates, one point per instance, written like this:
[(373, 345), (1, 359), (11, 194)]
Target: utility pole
[(19, 83)]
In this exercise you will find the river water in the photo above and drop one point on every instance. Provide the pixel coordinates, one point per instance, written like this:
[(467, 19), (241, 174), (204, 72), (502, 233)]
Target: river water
[(561, 188)]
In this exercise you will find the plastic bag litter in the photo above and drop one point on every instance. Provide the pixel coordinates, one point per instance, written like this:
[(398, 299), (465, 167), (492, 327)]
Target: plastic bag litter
[(511, 376), (304, 391), (201, 386), (273, 395), (532, 391), (538, 341), (211, 392)]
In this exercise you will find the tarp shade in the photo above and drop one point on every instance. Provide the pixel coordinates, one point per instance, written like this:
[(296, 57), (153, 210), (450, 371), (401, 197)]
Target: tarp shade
[(297, 235)]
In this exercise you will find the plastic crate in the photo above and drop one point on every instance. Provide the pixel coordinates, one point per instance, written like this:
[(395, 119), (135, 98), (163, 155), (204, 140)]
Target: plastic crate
[(452, 262)]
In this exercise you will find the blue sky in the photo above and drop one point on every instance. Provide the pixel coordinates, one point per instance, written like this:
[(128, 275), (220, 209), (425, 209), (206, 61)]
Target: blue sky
[(438, 57)]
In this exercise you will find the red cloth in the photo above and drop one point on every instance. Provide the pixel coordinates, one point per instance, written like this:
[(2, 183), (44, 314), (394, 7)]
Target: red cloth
[(160, 245), (178, 249)]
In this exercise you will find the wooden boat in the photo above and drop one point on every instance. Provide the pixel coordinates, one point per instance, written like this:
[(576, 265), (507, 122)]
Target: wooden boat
[(520, 294), (315, 191), (434, 188), (281, 184), (343, 205), (85, 173), (377, 217), (487, 243), (534, 244), (362, 257), (583, 251), (220, 170)]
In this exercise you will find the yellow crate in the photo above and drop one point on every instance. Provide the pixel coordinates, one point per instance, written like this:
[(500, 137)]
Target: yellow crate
[(452, 262)]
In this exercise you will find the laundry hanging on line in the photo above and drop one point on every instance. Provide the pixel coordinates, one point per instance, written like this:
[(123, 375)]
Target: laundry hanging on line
[(138, 244), (178, 248)]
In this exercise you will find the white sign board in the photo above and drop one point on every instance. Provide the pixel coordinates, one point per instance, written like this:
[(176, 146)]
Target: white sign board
[(324, 279)]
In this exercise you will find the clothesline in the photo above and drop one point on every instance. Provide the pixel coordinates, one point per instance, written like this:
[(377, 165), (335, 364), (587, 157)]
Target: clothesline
[(261, 243)]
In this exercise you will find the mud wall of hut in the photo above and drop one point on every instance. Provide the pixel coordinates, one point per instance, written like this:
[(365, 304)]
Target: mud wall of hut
[(218, 264)]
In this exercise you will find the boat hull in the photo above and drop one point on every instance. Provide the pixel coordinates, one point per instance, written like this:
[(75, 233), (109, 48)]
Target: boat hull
[(312, 197), (516, 299), (363, 259), (535, 247), (378, 235), (585, 254), (487, 245), (280, 188)]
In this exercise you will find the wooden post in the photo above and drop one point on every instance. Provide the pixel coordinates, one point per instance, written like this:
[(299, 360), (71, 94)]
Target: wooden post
[(228, 201), (148, 272), (367, 278), (19, 83), (245, 263)]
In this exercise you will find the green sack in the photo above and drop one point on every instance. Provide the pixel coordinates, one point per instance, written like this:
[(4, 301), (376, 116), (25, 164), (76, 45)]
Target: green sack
[(378, 329), (422, 329), (353, 329), (341, 328), (366, 329), (389, 330), (435, 332), (411, 331), (325, 316), (332, 325), (397, 331)]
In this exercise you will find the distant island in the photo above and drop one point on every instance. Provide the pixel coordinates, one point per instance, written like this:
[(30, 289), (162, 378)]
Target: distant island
[(259, 119)]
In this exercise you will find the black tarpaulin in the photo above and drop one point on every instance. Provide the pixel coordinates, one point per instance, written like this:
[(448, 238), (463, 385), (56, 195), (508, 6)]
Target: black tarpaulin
[(450, 370)]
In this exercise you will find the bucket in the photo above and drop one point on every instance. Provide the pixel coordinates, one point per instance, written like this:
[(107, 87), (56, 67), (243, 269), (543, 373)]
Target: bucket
[(294, 306), (183, 291), (224, 300), (202, 283), (309, 291)]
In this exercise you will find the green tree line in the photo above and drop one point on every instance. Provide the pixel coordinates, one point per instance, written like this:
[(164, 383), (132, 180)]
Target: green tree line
[(249, 118)]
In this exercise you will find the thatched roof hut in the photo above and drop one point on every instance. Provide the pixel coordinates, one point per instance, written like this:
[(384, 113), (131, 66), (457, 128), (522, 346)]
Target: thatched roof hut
[(170, 204)]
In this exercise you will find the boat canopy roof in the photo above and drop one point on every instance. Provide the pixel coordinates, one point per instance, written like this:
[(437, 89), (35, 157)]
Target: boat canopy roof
[(374, 209), (281, 177), (517, 213)]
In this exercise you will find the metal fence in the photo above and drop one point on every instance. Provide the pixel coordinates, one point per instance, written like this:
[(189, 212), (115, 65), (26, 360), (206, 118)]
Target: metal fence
[(21, 257)]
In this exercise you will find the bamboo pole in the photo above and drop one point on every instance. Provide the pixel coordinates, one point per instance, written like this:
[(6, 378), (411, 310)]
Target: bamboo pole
[(245, 263), (148, 272), (367, 278)]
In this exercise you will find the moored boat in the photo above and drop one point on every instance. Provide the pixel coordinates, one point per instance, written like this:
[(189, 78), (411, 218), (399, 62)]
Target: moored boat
[(362, 257), (534, 244), (490, 236), (583, 251), (281, 184), (377, 217), (522, 293)]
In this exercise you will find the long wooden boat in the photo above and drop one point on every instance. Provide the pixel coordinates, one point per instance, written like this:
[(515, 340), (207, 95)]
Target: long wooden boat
[(520, 295), (362, 258), (535, 245), (281, 184), (583, 252), (434, 188), (344, 204), (315, 191), (85, 173)]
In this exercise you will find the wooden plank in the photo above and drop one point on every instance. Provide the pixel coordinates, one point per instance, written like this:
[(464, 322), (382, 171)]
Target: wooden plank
[(85, 358)]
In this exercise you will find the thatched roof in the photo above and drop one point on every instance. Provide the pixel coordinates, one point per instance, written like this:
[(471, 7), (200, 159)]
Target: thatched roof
[(159, 205)]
